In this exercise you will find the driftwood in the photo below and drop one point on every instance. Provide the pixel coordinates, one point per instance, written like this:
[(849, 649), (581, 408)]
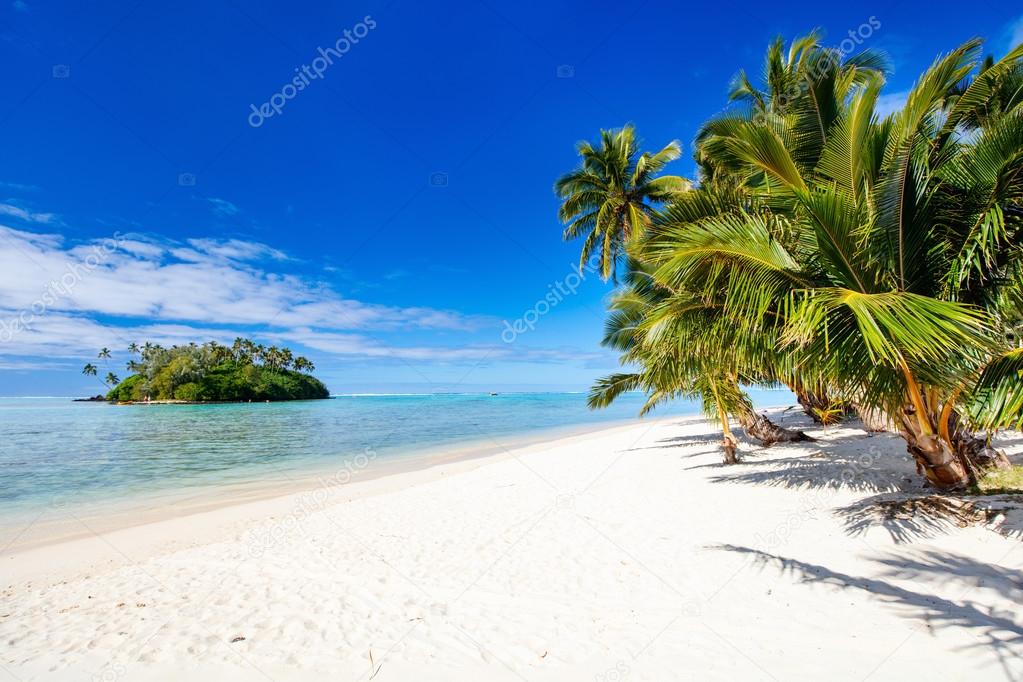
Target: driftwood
[(767, 432)]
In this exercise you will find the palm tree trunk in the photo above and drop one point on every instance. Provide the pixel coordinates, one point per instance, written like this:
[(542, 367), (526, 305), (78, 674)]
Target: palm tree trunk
[(767, 432), (729, 445), (944, 468), (816, 404), (935, 460)]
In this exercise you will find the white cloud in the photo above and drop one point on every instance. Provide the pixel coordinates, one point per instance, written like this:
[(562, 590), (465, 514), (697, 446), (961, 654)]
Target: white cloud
[(1015, 34), (66, 300), (361, 345), (890, 103), (236, 250), (205, 281), (27, 216), (61, 301)]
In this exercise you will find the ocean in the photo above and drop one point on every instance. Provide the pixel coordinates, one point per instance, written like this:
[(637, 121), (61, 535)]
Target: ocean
[(55, 452)]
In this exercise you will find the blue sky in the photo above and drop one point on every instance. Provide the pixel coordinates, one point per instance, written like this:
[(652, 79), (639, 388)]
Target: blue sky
[(394, 213)]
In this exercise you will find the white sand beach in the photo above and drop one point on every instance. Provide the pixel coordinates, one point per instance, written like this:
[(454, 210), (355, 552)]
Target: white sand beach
[(629, 553)]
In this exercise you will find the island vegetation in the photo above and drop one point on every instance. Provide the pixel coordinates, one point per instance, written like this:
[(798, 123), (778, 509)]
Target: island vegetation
[(211, 372), (868, 260)]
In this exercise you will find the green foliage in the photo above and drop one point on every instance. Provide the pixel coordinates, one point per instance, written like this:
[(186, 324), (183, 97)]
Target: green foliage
[(216, 373), (876, 260), (610, 198)]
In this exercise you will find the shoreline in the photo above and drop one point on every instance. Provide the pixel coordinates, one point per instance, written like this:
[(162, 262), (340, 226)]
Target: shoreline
[(168, 504), (627, 549)]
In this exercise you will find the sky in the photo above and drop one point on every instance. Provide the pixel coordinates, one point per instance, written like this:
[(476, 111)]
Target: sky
[(368, 183)]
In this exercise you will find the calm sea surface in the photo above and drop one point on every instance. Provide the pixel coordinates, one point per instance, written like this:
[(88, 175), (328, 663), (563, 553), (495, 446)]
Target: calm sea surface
[(54, 451)]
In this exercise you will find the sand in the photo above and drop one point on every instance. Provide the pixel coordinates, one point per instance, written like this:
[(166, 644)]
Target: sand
[(628, 553)]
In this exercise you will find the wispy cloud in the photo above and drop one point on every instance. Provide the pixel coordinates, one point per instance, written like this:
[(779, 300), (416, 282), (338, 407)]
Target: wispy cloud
[(26, 215), (891, 102), (172, 292), (1015, 33), (19, 187), (222, 207), (202, 280), (61, 300)]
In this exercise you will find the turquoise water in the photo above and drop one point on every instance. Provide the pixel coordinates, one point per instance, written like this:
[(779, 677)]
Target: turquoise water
[(53, 450)]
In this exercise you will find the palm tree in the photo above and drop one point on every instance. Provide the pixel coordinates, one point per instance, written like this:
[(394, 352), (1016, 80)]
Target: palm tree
[(610, 197), (133, 348), (880, 261), (111, 379), (89, 369), (104, 354), (803, 91), (685, 347)]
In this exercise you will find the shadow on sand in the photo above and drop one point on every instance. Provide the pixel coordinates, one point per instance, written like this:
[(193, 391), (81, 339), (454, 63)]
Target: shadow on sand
[(846, 458), (833, 465), (1002, 631)]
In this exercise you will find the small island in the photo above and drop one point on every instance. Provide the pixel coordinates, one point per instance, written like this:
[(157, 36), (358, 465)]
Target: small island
[(211, 372)]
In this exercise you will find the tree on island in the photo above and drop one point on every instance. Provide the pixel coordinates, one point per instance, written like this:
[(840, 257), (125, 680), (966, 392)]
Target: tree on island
[(212, 372)]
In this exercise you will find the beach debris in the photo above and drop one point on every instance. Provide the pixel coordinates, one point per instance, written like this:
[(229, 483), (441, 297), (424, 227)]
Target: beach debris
[(239, 638), (373, 666)]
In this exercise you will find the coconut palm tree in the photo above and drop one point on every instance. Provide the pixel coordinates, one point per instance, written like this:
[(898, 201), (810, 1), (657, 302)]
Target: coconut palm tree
[(610, 197), (104, 354), (89, 369), (111, 379), (882, 261), (684, 347), (803, 89), (133, 348)]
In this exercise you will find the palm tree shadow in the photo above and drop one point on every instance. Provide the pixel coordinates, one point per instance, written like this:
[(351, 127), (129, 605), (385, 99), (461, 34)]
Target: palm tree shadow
[(1001, 631), (832, 466), (925, 516)]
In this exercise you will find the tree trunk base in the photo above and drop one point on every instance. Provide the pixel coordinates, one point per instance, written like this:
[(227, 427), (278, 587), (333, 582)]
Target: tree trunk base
[(729, 447), (944, 469)]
